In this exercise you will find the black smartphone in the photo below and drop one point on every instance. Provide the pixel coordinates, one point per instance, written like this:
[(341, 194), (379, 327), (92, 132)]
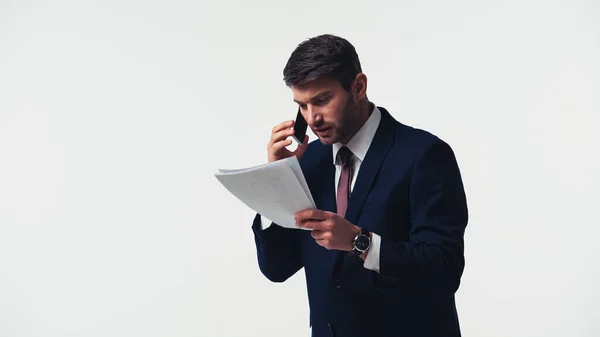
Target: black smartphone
[(300, 128)]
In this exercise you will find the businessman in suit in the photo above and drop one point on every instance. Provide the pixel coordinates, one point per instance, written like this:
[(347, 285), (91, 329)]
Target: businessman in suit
[(383, 255)]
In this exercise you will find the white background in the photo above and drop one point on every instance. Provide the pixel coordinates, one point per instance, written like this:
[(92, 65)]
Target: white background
[(114, 115)]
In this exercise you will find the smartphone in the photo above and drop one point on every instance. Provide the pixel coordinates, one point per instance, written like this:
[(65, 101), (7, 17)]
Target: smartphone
[(300, 128)]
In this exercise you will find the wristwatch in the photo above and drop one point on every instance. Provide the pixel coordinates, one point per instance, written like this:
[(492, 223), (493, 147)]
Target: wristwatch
[(362, 242)]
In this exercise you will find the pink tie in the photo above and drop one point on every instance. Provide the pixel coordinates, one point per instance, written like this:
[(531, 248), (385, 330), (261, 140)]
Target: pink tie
[(343, 192)]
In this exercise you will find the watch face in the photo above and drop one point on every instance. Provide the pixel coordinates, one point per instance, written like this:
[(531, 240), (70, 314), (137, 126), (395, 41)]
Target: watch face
[(362, 242)]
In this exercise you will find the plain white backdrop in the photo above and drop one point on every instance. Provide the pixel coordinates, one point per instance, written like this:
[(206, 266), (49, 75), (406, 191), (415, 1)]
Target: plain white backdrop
[(114, 115)]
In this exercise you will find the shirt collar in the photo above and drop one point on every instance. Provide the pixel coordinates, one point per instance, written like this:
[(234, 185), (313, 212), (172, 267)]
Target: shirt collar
[(360, 142)]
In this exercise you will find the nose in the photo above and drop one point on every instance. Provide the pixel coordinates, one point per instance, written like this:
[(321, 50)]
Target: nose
[(314, 117)]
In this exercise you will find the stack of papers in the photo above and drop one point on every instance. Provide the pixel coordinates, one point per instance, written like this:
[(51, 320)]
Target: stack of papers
[(275, 190)]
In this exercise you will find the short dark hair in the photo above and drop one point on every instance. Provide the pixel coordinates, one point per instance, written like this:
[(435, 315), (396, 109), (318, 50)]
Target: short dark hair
[(320, 56)]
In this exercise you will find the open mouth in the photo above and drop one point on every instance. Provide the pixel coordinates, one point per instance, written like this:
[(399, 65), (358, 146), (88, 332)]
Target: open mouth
[(324, 130)]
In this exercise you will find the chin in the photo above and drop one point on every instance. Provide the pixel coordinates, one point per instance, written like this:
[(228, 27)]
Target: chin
[(328, 140)]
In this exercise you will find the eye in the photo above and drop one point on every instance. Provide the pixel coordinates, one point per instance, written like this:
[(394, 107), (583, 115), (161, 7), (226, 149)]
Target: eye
[(322, 101)]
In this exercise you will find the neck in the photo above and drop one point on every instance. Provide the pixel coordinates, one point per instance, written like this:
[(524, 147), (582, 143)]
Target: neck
[(365, 109)]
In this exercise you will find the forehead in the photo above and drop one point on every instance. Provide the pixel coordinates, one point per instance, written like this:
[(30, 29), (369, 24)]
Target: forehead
[(309, 90)]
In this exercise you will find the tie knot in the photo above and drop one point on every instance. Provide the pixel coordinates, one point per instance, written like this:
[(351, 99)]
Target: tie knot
[(345, 154)]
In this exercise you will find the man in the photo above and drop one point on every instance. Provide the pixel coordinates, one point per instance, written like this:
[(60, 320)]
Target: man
[(384, 253)]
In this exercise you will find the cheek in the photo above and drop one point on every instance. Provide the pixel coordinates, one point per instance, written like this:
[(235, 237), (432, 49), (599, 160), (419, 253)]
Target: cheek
[(334, 114)]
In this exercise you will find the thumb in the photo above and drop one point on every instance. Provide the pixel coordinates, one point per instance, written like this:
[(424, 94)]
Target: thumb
[(302, 147), (304, 144)]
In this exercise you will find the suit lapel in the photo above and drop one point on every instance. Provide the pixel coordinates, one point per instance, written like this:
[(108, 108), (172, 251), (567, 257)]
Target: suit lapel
[(369, 169)]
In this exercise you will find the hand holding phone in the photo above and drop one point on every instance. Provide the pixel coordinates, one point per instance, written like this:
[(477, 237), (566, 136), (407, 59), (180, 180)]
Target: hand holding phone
[(279, 141)]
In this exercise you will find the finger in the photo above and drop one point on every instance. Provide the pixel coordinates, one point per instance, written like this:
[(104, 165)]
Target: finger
[(325, 243), (280, 145), (310, 224), (314, 214), (282, 134), (302, 147), (305, 224), (281, 126), (317, 234), (279, 136)]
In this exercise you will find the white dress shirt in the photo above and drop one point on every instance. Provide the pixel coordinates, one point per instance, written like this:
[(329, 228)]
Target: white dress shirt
[(359, 144)]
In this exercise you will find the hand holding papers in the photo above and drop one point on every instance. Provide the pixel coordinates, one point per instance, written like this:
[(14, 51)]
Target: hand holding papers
[(275, 190)]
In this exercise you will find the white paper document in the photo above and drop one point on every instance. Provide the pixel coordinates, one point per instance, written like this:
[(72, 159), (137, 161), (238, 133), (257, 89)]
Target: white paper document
[(275, 190)]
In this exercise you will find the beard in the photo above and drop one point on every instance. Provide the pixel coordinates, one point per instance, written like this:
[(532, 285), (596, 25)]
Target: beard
[(348, 125)]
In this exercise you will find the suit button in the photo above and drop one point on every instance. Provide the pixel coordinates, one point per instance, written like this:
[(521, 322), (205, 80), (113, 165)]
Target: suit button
[(330, 327), (337, 286)]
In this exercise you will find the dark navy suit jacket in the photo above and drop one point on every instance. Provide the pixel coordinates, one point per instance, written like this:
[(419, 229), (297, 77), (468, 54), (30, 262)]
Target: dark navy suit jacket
[(409, 191)]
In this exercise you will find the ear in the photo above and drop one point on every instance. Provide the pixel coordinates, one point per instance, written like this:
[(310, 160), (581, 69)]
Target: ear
[(359, 87)]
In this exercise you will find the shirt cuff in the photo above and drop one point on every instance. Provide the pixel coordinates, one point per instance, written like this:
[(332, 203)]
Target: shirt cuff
[(372, 260)]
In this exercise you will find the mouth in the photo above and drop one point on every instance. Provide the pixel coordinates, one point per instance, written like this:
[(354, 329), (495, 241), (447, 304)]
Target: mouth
[(322, 130)]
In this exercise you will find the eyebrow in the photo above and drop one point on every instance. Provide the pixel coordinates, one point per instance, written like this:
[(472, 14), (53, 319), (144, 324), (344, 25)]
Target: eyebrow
[(318, 96)]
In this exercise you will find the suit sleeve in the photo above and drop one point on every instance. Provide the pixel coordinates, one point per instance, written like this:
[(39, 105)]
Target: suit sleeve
[(431, 262), (278, 250)]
